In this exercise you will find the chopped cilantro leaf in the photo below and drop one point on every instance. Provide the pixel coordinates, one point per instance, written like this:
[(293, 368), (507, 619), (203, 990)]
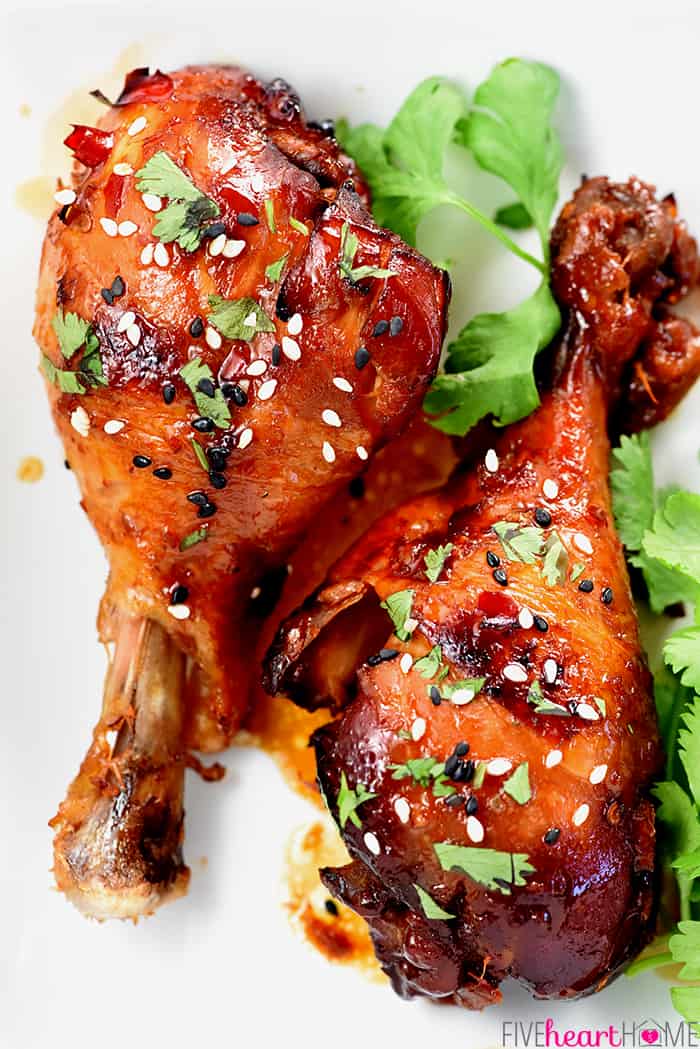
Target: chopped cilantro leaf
[(270, 216), (67, 381), (198, 536), (348, 249), (489, 867), (189, 210), (517, 786), (452, 689), (238, 318), (349, 801), (214, 407), (556, 560), (541, 704), (200, 454), (399, 606), (429, 664), (435, 561), (273, 272), (300, 227), (71, 332), (430, 908), (519, 544)]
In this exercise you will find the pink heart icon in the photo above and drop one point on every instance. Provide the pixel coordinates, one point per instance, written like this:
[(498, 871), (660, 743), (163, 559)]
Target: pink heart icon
[(650, 1036)]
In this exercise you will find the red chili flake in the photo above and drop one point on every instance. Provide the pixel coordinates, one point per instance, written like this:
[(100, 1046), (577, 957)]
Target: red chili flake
[(114, 194), (90, 145), (496, 605), (142, 86)]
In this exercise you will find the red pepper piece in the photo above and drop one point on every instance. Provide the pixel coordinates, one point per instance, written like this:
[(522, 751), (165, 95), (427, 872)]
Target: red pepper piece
[(90, 145), (142, 86)]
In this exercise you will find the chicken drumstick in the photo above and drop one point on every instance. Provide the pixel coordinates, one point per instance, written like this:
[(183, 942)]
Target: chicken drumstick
[(227, 336), (490, 771)]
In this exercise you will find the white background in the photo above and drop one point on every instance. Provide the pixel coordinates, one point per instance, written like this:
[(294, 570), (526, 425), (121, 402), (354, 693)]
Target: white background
[(222, 965)]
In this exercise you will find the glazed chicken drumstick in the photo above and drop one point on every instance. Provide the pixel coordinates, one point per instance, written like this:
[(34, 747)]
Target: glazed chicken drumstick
[(491, 766), (227, 337)]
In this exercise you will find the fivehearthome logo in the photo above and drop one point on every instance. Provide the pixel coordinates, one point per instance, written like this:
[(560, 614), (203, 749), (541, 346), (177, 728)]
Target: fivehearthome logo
[(642, 1034)]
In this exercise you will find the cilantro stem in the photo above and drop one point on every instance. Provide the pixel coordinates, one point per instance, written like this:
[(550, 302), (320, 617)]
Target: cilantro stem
[(653, 961), (497, 232)]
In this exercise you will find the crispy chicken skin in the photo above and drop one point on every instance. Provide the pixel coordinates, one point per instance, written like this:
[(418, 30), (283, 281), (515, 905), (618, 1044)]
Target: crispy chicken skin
[(304, 419), (566, 694)]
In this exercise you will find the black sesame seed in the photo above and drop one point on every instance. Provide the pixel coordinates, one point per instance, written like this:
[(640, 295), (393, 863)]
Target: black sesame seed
[(198, 497), (331, 907), (435, 697), (606, 595), (217, 458), (203, 424), (179, 594), (586, 585), (168, 392), (356, 487), (455, 800), (107, 295), (67, 464), (246, 219), (395, 325), (283, 311), (388, 653), (118, 287), (362, 357), (374, 661), (451, 765), (215, 230), (163, 473), (541, 623), (380, 328), (461, 749), (206, 386), (141, 461), (543, 517), (492, 560), (472, 805), (500, 576), (196, 327), (552, 836), (240, 397), (276, 354), (466, 771), (217, 479), (207, 510)]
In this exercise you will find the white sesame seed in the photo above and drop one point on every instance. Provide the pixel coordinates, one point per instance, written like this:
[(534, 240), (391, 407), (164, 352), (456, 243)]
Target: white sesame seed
[(216, 246), (255, 593), (126, 228), (402, 809), (598, 774), (406, 662), (113, 426), (152, 201), (136, 126), (80, 421), (330, 417), (362, 452), (64, 196), (372, 843), (147, 255), (583, 543), (267, 389), (550, 488), (587, 712), (245, 438), (461, 696), (342, 384), (499, 766), (525, 618), (126, 320), (258, 367), (161, 256), (133, 334), (475, 829), (257, 182), (233, 248), (179, 611), (553, 758), (290, 348), (551, 670), (251, 320), (123, 169), (328, 452), (212, 338), (418, 729), (491, 461), (110, 227), (295, 324), (581, 814), (515, 672)]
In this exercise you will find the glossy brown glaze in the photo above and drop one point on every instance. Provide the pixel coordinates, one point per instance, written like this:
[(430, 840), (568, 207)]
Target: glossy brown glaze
[(248, 147), (568, 924)]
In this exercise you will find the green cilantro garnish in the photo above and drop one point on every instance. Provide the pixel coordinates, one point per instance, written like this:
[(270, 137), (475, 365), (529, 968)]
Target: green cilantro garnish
[(300, 227), (348, 249), (399, 606), (214, 407), (350, 800), (541, 704), (429, 664), (270, 216), (425, 772), (198, 536), (73, 333), (67, 381), (517, 786), (273, 272), (435, 561), (189, 211), (577, 571), (479, 775), (601, 705), (556, 560), (469, 684), (200, 454), (430, 908), (489, 867), (238, 318), (519, 544)]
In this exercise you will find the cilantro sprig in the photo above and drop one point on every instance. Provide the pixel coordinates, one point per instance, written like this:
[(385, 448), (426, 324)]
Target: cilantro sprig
[(508, 130), (490, 867), (188, 212), (74, 333), (349, 801)]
